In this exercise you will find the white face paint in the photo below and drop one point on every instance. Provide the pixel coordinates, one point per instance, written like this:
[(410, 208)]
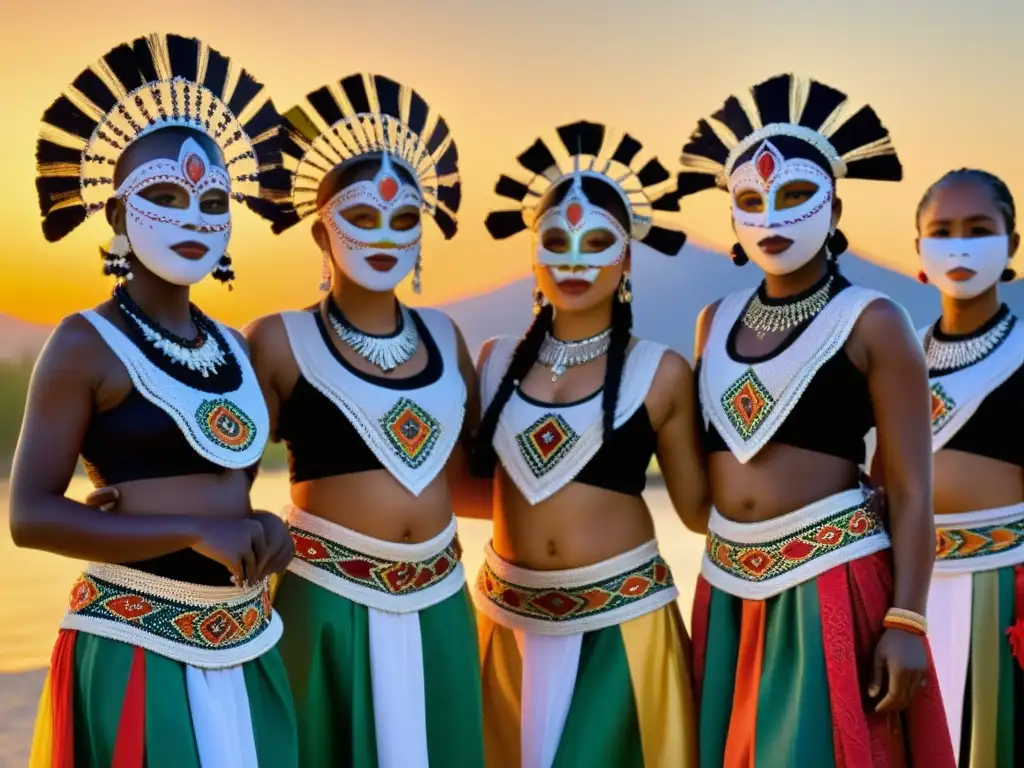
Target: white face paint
[(179, 245), (964, 267), (807, 225), (574, 218), (352, 246)]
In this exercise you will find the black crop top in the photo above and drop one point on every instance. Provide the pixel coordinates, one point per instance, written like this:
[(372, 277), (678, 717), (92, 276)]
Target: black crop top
[(990, 432), (321, 441)]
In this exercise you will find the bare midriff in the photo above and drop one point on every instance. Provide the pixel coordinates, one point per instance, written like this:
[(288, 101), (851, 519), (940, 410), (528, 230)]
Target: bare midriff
[(778, 480), (375, 504), (965, 482), (224, 496), (577, 526)]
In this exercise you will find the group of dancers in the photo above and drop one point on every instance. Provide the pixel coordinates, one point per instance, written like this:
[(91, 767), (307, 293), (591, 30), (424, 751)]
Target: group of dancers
[(207, 633)]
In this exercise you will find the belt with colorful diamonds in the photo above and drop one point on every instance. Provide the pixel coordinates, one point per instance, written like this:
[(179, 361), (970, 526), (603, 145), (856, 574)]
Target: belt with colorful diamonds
[(759, 560), (208, 627), (979, 541), (389, 576), (578, 600)]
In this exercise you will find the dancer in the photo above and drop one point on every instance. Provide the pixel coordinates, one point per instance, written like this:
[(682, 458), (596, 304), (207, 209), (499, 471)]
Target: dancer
[(370, 398), (808, 625), (166, 654), (585, 656), (966, 225)]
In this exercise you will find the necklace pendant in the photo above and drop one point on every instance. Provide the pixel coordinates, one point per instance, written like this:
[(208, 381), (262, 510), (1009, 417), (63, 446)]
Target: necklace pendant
[(556, 371)]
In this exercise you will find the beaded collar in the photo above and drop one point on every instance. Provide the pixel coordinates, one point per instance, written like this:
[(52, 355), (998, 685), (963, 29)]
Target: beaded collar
[(946, 353)]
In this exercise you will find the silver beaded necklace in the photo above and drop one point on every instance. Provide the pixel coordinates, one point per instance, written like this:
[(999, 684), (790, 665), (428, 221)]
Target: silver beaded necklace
[(385, 352), (559, 356), (950, 355), (775, 318)]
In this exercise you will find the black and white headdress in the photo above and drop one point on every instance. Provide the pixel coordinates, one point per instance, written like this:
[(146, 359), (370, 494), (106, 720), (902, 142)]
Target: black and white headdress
[(855, 146), (137, 88), (365, 114), (587, 156)]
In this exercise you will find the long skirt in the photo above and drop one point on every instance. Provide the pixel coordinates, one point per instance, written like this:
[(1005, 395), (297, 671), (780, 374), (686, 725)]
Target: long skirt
[(585, 667), (787, 615), (976, 626), (150, 672), (380, 650)]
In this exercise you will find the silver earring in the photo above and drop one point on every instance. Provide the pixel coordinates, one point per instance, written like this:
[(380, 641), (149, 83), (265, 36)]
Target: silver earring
[(625, 294), (417, 275), (325, 273), (119, 246), (115, 258)]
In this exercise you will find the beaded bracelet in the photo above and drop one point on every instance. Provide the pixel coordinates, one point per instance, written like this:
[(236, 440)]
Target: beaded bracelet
[(908, 621)]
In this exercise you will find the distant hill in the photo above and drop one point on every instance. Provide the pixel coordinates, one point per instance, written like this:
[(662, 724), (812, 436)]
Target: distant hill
[(21, 340)]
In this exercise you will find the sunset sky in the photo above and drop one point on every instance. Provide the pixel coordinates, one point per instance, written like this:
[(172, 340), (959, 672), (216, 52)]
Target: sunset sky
[(942, 74)]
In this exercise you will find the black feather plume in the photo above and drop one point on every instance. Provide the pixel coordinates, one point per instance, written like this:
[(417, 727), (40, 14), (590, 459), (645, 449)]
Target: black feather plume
[(65, 115), (772, 99), (877, 168), (53, 189), (48, 152), (735, 118), (57, 224), (355, 92), (123, 62), (449, 161), (504, 224), (144, 62), (284, 218), (822, 101), (216, 76), (326, 105), (183, 53), (689, 182), (627, 150), (264, 208), (446, 224), (667, 241), (417, 114), (667, 202), (265, 119), (388, 92), (451, 196), (653, 173), (512, 189), (275, 179), (247, 89), (862, 128), (538, 158), (582, 138), (705, 143), (439, 135), (95, 90)]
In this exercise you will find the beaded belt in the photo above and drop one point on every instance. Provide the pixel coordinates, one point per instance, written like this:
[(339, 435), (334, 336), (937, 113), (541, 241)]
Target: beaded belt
[(391, 577), (979, 541), (577, 600), (756, 561), (207, 627)]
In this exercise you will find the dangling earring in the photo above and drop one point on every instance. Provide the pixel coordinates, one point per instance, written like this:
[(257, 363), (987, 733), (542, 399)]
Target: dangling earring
[(115, 258), (828, 251), (922, 277), (539, 300), (1008, 276), (417, 274), (224, 272), (325, 273), (625, 293), (739, 256)]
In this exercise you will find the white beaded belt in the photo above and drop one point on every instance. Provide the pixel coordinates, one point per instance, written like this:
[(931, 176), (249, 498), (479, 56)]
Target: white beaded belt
[(388, 576), (756, 561), (584, 599), (207, 627), (969, 542)]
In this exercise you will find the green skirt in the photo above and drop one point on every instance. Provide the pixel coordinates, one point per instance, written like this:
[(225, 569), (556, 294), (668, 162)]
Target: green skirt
[(327, 649)]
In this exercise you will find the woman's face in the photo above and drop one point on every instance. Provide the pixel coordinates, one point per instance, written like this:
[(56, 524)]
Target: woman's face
[(580, 252), (963, 244), (172, 204)]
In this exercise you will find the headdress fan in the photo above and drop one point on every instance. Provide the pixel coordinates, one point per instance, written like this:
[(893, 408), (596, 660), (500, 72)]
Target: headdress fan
[(591, 154), (136, 88), (362, 115)]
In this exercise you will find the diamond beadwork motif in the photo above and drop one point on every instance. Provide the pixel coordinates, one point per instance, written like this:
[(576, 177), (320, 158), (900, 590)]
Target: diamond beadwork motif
[(747, 403), (390, 577), (963, 543), (411, 431), (570, 604), (225, 424), (205, 627), (768, 560), (546, 441), (942, 407)]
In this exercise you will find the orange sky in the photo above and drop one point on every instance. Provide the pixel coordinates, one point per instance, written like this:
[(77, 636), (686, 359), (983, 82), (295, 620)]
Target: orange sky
[(501, 73)]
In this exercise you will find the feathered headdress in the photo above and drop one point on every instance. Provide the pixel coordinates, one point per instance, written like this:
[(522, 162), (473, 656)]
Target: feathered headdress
[(137, 88), (584, 142), (363, 114), (856, 146)]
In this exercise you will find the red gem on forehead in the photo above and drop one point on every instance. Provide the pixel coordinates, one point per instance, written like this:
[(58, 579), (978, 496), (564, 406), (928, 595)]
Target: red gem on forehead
[(574, 213), (194, 168), (388, 188), (766, 166)]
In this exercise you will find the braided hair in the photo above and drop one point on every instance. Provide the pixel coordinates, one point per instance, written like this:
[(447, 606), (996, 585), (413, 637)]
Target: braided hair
[(1000, 193), (483, 461)]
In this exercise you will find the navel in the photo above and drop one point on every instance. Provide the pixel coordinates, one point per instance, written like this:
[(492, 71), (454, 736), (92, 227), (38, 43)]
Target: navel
[(552, 549)]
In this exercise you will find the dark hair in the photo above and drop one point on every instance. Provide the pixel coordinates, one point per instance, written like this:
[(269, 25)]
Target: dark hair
[(363, 168), (602, 194), (791, 149), (125, 164), (996, 186)]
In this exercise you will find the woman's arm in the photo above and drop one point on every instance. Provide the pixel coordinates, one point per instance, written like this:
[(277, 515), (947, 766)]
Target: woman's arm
[(679, 450), (898, 384), (471, 496), (57, 413), (265, 339)]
